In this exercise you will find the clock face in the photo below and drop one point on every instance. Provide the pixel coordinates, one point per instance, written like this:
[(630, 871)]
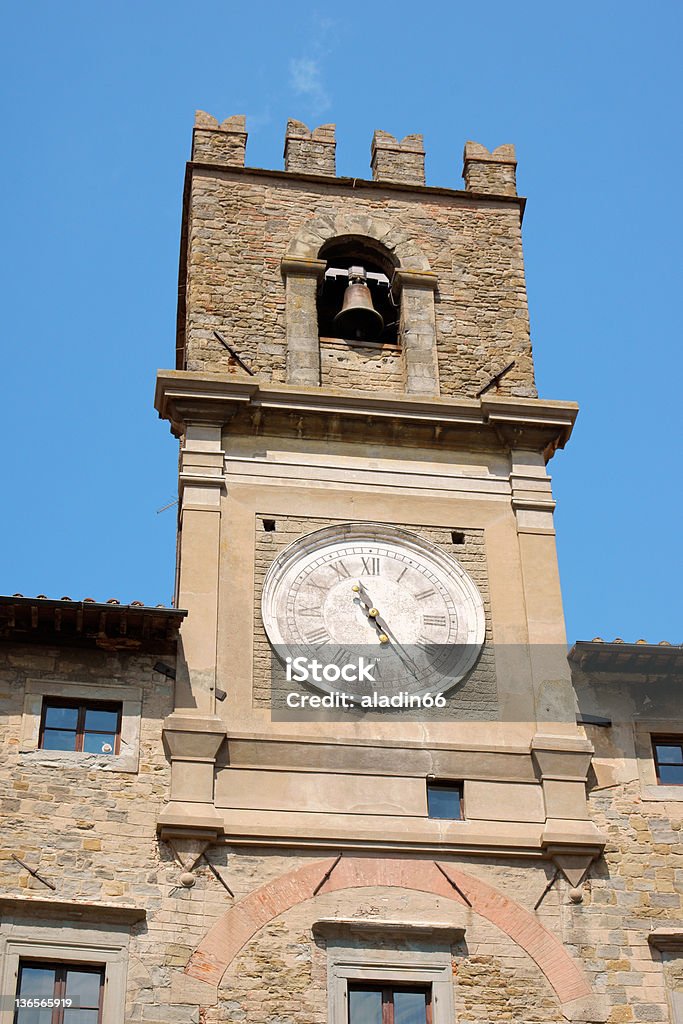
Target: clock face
[(403, 602)]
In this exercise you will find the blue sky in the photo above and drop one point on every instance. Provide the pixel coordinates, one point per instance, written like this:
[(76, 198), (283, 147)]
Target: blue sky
[(98, 107)]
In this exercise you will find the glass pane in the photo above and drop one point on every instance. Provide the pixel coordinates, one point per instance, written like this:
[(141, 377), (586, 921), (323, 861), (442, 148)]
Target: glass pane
[(80, 1017), (61, 718), (671, 774), (667, 754), (410, 1007), (32, 1016), (83, 987), (99, 742), (365, 1007), (59, 739), (443, 802), (36, 981), (103, 721)]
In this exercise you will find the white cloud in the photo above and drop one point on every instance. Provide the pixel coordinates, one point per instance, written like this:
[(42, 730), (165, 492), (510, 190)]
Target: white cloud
[(306, 80)]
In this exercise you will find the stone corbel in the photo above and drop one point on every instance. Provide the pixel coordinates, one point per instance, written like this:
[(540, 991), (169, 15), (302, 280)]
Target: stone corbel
[(192, 741), (569, 836)]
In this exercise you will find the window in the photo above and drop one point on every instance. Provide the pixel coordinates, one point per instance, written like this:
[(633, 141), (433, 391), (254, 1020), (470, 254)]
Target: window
[(386, 1004), (444, 800), (668, 751), (50, 993), (92, 727)]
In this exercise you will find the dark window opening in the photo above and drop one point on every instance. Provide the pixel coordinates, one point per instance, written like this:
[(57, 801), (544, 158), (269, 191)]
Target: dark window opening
[(373, 295), (444, 800), (668, 751), (65, 993), (91, 727), (269, 525), (457, 537), (389, 1004)]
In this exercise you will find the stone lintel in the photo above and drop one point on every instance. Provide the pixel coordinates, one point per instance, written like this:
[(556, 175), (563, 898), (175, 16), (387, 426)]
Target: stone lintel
[(70, 910), (668, 939), (438, 932)]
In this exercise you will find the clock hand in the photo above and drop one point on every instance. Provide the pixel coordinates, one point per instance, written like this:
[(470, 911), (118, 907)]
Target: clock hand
[(373, 613)]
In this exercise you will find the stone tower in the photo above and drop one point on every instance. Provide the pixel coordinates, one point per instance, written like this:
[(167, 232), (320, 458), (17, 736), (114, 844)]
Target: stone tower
[(425, 445)]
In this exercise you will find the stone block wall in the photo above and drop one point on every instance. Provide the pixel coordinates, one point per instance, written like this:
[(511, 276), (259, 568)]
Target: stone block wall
[(92, 833), (241, 224)]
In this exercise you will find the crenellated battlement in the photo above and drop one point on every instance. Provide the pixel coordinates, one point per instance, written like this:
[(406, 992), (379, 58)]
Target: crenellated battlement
[(312, 151), (223, 143)]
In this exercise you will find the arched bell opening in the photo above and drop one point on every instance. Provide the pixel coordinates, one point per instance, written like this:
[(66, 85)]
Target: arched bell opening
[(356, 301)]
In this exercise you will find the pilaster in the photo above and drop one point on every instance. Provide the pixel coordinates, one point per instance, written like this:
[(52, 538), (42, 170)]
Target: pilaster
[(303, 344), (418, 331), (201, 486)]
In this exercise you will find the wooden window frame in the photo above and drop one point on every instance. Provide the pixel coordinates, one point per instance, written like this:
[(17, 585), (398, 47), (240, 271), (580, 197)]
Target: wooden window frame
[(61, 970), (447, 784), (82, 706), (388, 989), (664, 740)]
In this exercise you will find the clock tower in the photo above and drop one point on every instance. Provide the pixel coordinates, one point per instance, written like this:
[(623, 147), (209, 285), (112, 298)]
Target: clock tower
[(363, 475)]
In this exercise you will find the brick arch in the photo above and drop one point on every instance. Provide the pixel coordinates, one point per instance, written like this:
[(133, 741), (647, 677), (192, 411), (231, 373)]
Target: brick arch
[(240, 922), (307, 243)]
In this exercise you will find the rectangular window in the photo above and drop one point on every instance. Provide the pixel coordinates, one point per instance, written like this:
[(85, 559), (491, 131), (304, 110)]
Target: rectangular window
[(444, 800), (51, 993), (668, 751), (388, 1004), (92, 727)]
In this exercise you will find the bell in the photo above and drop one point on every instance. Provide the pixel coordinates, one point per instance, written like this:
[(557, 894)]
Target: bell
[(358, 318)]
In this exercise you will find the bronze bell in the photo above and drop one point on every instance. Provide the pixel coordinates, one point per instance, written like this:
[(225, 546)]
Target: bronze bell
[(358, 318)]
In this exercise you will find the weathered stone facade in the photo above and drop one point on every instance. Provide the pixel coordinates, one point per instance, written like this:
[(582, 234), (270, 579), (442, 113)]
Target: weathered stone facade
[(241, 224), (224, 865)]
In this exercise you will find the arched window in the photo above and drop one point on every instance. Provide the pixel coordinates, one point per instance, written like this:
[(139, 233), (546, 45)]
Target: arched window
[(356, 299)]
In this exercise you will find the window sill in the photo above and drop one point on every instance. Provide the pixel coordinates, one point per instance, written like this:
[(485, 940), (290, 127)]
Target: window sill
[(81, 760)]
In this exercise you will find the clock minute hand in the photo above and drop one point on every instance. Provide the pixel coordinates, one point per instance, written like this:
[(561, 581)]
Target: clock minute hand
[(381, 623)]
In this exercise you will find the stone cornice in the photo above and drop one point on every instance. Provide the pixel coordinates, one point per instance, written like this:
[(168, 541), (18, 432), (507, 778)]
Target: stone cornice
[(341, 183), (186, 397)]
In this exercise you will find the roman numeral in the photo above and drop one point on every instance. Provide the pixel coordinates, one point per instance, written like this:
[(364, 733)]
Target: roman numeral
[(341, 570), (402, 574), (434, 620), (308, 611), (424, 594), (318, 636), (370, 566)]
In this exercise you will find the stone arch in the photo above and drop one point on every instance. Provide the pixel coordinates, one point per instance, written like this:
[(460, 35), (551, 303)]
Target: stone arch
[(312, 235), (302, 268), (242, 921)]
